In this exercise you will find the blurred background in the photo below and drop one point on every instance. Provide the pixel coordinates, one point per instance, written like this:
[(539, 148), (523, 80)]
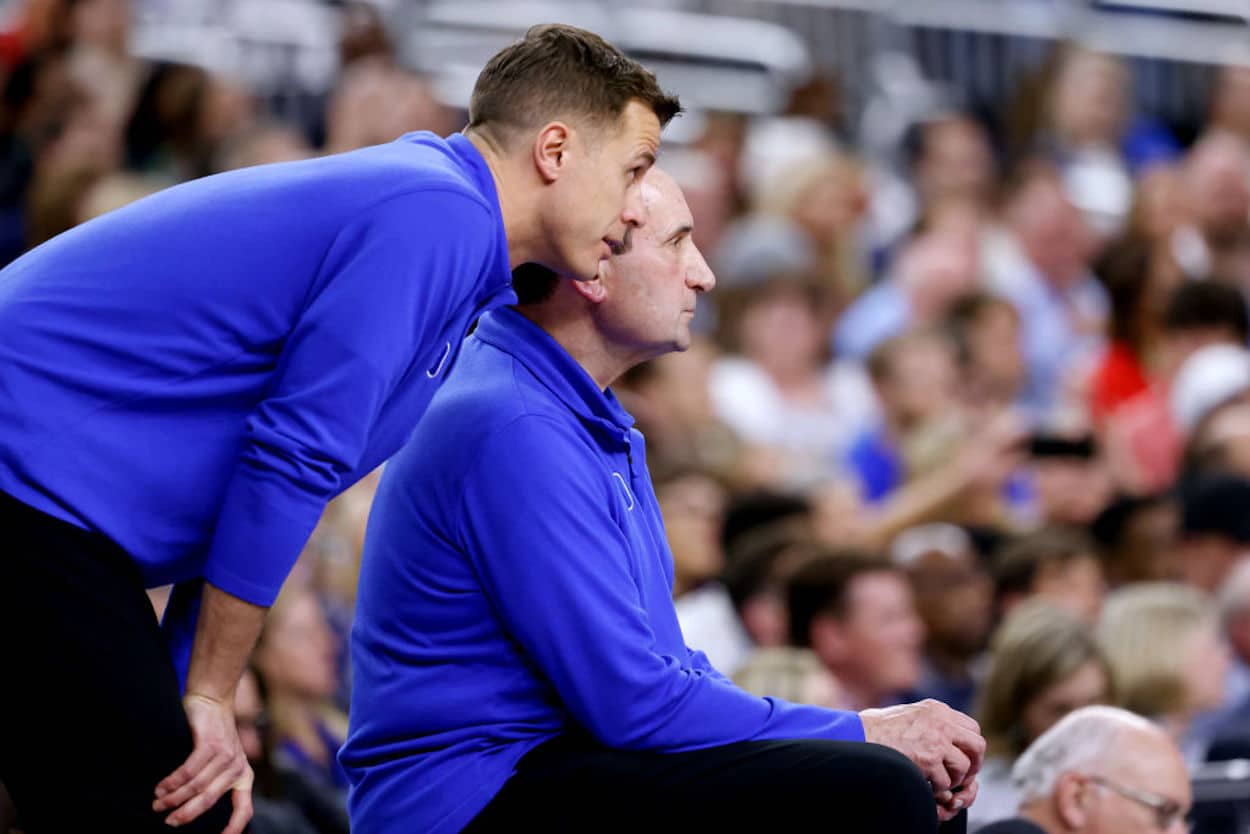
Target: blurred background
[(968, 416)]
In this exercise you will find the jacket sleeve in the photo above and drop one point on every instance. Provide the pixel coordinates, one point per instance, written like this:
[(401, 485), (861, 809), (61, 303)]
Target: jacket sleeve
[(387, 284), (536, 523)]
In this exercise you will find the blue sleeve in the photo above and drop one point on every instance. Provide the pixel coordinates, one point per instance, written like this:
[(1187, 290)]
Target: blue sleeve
[(536, 523), (387, 284)]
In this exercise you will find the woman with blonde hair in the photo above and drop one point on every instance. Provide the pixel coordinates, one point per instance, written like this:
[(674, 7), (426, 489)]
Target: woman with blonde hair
[(1044, 663), (296, 661), (1167, 658)]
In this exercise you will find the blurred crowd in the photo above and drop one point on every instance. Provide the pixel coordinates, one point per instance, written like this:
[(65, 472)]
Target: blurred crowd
[(968, 420)]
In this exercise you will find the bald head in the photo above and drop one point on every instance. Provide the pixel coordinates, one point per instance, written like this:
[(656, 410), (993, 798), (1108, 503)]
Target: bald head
[(1103, 770), (641, 303)]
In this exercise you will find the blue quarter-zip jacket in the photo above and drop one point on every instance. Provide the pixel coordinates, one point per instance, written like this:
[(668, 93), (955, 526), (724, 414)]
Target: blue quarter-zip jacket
[(516, 584), (197, 374)]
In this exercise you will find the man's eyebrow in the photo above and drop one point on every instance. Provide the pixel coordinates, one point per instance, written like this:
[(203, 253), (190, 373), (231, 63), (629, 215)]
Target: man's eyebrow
[(680, 232)]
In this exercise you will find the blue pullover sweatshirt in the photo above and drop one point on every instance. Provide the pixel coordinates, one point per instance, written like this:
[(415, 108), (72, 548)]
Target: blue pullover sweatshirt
[(517, 584), (195, 375)]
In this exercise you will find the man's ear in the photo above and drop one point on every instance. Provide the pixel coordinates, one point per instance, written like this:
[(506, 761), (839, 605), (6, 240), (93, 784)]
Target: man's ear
[(593, 290), (551, 149), (1073, 797)]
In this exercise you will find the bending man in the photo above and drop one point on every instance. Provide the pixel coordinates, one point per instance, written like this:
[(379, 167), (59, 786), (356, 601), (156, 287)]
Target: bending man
[(185, 383)]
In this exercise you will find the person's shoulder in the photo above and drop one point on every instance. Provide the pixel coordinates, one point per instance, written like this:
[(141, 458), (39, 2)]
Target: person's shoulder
[(418, 169), (489, 391)]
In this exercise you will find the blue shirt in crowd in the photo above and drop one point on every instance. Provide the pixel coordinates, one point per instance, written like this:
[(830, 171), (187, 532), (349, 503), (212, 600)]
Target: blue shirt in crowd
[(197, 374), (517, 584), (876, 461)]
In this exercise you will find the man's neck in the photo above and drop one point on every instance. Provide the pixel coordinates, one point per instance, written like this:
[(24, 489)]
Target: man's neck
[(516, 202), (565, 320), (1041, 815)]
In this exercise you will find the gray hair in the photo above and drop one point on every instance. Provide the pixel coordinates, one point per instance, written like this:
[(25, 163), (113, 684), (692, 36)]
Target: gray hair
[(1075, 744)]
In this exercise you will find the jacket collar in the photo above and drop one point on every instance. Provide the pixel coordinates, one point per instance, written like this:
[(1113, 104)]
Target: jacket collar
[(551, 364)]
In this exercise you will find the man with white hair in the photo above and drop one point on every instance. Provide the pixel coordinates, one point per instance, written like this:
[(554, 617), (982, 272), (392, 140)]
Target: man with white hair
[(517, 659), (1100, 770)]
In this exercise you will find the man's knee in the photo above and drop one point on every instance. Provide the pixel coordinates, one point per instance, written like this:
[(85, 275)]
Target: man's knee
[(895, 788)]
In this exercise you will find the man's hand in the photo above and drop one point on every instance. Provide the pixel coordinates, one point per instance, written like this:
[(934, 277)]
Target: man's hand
[(946, 745), (216, 764)]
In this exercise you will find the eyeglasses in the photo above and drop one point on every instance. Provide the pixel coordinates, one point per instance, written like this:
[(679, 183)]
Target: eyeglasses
[(1167, 811)]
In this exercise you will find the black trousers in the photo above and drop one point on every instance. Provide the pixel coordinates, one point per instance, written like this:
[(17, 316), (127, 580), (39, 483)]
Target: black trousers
[(571, 784), (91, 716)]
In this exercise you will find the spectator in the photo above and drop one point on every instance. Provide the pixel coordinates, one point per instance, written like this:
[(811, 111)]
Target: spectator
[(986, 332), (782, 392), (913, 376), (1146, 435), (755, 577), (100, 58), (363, 33), (1100, 769), (297, 664), (1163, 643), (51, 131), (1062, 307), (1215, 529), (1071, 482), (931, 272), (181, 117), (693, 504), (951, 159), (823, 193), (1057, 565), (1216, 175), (1088, 114), (275, 812), (1140, 279), (856, 612), (1044, 663), (376, 101), (1137, 537), (954, 598)]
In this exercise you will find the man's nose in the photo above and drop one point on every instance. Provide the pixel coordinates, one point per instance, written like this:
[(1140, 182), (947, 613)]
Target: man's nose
[(700, 276)]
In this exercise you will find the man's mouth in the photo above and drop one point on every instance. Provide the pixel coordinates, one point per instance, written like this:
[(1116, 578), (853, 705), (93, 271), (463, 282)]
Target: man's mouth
[(615, 247)]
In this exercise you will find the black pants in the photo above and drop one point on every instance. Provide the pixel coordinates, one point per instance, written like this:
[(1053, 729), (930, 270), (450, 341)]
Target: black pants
[(91, 716), (571, 784)]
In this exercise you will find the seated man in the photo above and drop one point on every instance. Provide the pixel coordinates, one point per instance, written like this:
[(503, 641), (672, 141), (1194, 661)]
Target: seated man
[(1100, 770), (518, 663)]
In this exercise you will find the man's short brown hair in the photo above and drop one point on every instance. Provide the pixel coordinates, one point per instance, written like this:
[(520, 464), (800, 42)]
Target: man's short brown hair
[(559, 71), (823, 586)]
